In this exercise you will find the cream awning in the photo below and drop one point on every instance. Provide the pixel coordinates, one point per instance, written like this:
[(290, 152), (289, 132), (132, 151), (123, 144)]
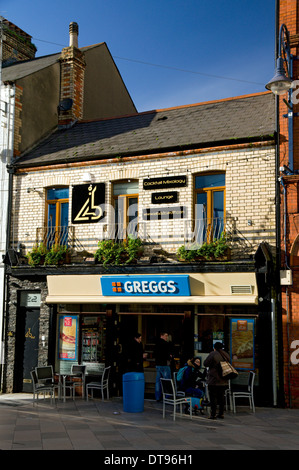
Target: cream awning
[(206, 288)]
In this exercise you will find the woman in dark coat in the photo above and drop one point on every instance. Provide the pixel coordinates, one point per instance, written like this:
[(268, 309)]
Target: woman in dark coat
[(216, 384)]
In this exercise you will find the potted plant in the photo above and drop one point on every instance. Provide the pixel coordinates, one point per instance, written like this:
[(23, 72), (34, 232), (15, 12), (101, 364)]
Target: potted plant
[(37, 255), (114, 252), (108, 252), (216, 250), (133, 248), (58, 254)]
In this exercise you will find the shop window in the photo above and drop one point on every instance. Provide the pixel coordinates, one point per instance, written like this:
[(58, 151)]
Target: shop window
[(81, 338), (211, 328), (57, 208), (125, 198), (209, 206)]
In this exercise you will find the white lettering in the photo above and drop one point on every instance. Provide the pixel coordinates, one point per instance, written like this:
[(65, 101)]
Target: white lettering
[(137, 287), (153, 287), (145, 287), (171, 287), (128, 287), (150, 287), (115, 460), (162, 286)]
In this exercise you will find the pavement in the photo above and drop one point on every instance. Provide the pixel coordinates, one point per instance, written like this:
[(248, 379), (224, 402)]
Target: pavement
[(104, 426)]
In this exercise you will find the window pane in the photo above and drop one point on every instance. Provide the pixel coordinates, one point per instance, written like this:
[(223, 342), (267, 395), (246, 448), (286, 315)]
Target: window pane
[(59, 193), (126, 188), (52, 215), (218, 210), (218, 201), (210, 181), (201, 206)]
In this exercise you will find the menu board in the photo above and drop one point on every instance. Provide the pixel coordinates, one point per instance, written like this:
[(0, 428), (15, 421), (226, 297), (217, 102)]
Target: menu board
[(67, 338), (242, 343)]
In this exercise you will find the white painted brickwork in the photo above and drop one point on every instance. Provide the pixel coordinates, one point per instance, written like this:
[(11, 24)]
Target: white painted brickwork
[(250, 195)]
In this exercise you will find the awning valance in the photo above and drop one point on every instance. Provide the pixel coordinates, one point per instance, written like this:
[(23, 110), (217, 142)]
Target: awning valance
[(205, 288)]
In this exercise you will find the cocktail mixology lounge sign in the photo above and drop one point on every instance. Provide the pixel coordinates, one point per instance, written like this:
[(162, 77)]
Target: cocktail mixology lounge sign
[(169, 213), (165, 182), (177, 285), (164, 198)]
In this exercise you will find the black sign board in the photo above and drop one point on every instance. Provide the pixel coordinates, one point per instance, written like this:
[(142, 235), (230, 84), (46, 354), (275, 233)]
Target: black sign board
[(165, 182), (88, 203), (169, 213), (165, 198)]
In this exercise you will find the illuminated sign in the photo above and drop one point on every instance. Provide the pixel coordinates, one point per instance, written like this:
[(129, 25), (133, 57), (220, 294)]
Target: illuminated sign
[(176, 285)]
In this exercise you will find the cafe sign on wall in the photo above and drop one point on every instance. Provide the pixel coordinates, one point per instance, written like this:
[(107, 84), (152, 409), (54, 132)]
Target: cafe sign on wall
[(87, 203), (165, 182)]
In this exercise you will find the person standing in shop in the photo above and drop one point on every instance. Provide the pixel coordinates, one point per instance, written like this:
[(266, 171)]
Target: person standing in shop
[(163, 356), (216, 384), (136, 354)]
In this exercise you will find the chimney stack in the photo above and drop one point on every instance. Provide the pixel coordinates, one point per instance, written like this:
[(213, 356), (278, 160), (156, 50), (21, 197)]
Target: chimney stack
[(74, 33), (72, 62)]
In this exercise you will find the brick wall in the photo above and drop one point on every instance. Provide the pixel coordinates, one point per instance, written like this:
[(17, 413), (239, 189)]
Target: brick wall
[(72, 83), (17, 120), (289, 15), (250, 194), (17, 44)]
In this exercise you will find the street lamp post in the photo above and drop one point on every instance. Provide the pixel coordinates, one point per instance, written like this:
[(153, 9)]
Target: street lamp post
[(282, 82)]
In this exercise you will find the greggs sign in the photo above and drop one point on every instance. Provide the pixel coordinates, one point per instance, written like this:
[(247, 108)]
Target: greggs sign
[(177, 285)]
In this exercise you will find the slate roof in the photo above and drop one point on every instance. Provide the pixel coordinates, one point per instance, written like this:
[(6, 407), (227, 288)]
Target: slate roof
[(247, 118), (17, 70)]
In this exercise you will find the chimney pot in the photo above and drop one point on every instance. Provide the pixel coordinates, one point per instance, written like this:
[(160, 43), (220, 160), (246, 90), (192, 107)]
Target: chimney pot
[(74, 32)]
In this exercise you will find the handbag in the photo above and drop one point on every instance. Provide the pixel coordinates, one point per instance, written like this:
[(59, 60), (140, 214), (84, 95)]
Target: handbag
[(226, 370)]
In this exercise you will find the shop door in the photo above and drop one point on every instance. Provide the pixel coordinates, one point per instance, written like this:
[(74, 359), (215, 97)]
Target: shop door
[(26, 348)]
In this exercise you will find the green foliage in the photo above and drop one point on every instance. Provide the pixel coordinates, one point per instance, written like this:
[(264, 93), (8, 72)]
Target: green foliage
[(41, 255), (57, 254), (216, 250), (37, 255), (115, 252)]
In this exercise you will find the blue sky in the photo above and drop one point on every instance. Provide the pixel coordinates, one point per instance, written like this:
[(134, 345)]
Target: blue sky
[(169, 52)]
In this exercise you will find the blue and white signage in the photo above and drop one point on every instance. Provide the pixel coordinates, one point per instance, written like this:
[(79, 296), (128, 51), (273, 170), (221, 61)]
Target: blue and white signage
[(177, 285)]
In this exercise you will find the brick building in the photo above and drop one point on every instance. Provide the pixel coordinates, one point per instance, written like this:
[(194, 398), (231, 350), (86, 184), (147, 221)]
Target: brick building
[(36, 98), (288, 151), (17, 44), (179, 177)]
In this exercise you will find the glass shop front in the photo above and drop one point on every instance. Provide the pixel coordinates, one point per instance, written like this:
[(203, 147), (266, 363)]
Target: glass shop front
[(191, 309)]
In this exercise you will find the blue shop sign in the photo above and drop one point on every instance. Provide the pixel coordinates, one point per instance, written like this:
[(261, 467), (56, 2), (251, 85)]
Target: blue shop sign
[(177, 285)]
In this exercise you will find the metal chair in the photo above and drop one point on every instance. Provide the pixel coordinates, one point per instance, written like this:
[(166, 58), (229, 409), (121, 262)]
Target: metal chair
[(46, 388), (244, 394), (78, 372), (101, 385), (228, 397), (170, 398), (178, 393)]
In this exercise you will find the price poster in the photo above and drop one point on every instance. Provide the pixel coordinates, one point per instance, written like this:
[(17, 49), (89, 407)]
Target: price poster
[(242, 343), (67, 337)]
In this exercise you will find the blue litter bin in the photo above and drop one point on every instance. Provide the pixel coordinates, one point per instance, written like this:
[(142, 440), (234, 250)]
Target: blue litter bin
[(133, 392)]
